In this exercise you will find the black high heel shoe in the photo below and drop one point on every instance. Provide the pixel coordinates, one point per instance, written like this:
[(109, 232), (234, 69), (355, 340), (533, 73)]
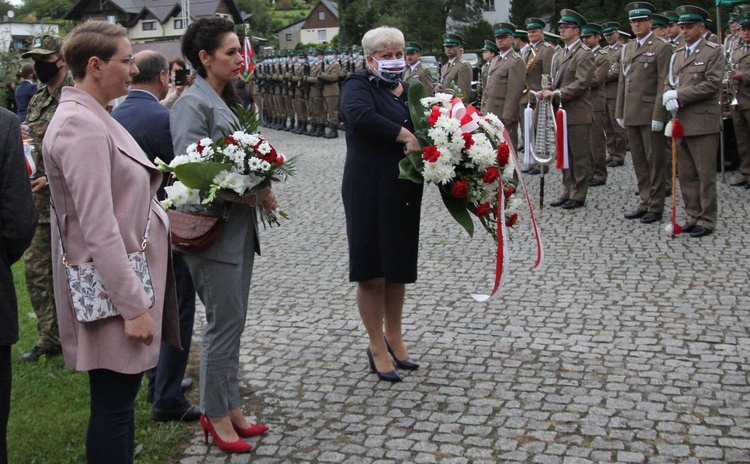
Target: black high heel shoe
[(387, 376), (406, 364)]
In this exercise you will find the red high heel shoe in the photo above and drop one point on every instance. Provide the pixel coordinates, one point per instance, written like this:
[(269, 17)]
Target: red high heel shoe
[(253, 431), (238, 446)]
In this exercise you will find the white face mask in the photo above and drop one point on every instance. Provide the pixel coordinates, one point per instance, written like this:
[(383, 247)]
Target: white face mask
[(391, 71)]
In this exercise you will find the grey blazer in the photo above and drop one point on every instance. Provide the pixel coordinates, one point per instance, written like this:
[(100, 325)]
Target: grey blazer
[(199, 113)]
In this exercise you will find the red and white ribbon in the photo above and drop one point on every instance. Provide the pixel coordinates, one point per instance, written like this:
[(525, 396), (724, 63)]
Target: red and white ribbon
[(468, 117)]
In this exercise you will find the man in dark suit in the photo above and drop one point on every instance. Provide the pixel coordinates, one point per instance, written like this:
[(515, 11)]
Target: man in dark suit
[(691, 91), (572, 71), (25, 90), (147, 120), (18, 218)]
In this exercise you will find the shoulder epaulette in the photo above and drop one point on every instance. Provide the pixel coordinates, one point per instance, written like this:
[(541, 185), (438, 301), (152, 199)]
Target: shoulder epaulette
[(585, 47), (712, 45), (515, 55), (546, 44)]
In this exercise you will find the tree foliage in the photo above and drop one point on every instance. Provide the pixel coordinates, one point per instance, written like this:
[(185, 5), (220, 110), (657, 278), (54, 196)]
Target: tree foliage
[(39, 10)]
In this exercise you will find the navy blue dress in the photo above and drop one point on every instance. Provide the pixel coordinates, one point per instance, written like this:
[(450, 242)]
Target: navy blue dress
[(382, 211)]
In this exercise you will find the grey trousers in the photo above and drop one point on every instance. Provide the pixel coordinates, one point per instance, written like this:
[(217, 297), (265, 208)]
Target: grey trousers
[(224, 289)]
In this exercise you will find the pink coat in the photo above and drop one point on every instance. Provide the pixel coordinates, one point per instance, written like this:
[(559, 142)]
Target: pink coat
[(102, 184)]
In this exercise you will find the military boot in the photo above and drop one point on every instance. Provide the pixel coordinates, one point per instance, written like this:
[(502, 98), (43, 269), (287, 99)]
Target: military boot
[(310, 130), (321, 132), (334, 131)]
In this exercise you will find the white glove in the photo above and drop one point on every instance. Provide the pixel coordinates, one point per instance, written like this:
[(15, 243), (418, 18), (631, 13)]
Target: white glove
[(668, 95), (672, 105), (621, 123), (657, 126)]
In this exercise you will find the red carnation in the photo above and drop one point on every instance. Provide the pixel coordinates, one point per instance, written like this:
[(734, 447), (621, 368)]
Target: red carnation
[(229, 140), (459, 189), (434, 115), (468, 140), (483, 209), (200, 148), (511, 221), (503, 154), (491, 175), (270, 156), (431, 154), (508, 191)]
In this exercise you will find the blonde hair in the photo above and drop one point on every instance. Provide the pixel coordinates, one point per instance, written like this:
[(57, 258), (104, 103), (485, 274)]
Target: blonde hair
[(91, 38), (382, 38)]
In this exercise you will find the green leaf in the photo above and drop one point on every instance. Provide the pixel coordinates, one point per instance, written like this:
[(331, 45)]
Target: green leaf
[(199, 175), (416, 110), (411, 168), (459, 210)]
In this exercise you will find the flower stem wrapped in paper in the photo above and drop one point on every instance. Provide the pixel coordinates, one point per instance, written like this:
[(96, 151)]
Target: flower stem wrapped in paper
[(234, 168), (467, 156)]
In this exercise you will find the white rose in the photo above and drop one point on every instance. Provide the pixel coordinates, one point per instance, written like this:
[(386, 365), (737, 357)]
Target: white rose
[(181, 195)]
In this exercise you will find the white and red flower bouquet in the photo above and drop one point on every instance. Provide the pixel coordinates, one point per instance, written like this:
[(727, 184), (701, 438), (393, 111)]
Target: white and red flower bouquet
[(238, 164), (465, 154)]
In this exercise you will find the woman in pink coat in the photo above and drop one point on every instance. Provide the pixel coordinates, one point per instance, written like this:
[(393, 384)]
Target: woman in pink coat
[(102, 188)]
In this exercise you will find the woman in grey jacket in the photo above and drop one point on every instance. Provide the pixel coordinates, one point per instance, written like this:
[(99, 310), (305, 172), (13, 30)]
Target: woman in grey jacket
[(221, 272)]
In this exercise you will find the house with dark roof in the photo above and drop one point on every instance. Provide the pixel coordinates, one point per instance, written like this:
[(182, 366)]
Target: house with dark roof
[(152, 20), (322, 24)]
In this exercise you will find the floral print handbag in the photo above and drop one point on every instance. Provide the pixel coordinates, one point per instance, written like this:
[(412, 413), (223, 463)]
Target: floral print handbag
[(88, 295)]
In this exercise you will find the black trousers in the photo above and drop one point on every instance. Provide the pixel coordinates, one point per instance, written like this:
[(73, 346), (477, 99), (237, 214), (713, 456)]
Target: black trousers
[(5, 385), (111, 433), (164, 380)]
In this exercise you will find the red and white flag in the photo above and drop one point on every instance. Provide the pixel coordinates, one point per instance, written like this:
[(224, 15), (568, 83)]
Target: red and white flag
[(249, 66)]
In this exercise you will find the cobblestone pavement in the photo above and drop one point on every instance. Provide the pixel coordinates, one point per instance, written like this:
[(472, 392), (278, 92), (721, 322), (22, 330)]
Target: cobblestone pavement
[(626, 347)]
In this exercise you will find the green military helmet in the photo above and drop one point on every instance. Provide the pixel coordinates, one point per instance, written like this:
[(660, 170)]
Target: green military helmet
[(44, 45), (659, 20), (591, 29), (413, 47), (639, 10), (453, 40), (503, 29), (534, 23), (690, 14), (490, 46), (568, 16), (672, 16), (610, 27)]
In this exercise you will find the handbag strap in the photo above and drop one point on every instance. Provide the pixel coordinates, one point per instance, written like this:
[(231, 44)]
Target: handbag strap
[(144, 240)]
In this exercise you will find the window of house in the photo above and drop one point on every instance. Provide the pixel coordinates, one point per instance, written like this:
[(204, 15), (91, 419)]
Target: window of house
[(322, 35), (149, 25), (289, 37), (321, 15), (178, 24)]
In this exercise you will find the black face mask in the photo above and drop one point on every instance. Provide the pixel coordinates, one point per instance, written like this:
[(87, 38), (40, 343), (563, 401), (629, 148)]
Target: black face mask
[(46, 70)]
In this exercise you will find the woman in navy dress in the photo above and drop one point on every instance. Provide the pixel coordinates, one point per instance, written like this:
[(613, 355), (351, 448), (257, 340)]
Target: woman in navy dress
[(382, 211)]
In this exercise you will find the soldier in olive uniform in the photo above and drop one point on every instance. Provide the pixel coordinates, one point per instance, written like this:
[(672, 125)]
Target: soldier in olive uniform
[(659, 25), (572, 71), (616, 138), (330, 77), (708, 36), (455, 70), (489, 52), (692, 91), (741, 112), (592, 35), (316, 102), (505, 81), (358, 58), (415, 69), (673, 29), (645, 64), (51, 71)]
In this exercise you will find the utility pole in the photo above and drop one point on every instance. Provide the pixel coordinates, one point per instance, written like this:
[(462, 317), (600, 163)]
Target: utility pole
[(185, 6)]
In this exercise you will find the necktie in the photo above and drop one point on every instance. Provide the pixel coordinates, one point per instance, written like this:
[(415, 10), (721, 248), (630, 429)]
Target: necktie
[(638, 44)]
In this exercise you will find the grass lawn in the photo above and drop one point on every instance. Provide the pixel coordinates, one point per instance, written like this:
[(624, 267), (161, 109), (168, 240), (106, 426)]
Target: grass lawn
[(50, 407)]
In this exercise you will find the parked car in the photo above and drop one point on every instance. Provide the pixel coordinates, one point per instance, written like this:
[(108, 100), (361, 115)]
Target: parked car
[(472, 58), (431, 63)]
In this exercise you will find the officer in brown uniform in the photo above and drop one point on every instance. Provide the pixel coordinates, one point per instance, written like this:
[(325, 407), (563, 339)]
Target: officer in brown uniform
[(616, 138), (659, 25), (692, 91), (505, 81), (489, 52), (572, 71), (50, 68), (673, 29), (591, 34), (537, 63), (416, 70), (741, 112), (455, 70), (645, 64), (316, 102), (331, 92)]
